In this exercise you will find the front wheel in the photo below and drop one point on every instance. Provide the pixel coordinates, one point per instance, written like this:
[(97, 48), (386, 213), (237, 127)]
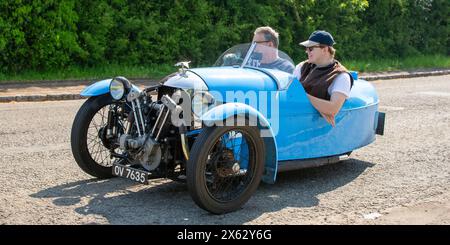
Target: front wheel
[(225, 167), (90, 146)]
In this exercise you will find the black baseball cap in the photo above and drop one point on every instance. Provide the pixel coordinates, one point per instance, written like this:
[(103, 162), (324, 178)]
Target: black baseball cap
[(319, 37)]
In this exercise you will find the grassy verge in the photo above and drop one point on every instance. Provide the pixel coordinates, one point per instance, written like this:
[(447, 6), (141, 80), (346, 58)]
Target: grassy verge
[(410, 63), (78, 73), (159, 71)]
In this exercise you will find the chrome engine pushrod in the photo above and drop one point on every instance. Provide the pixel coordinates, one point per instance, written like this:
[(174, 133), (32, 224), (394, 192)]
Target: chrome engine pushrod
[(136, 118), (140, 114), (162, 125), (157, 120)]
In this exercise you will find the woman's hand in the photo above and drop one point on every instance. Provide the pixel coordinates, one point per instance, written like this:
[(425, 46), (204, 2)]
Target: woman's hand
[(329, 119), (328, 109)]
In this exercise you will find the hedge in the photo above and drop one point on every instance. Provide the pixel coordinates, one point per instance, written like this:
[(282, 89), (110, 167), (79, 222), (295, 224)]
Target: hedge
[(51, 34)]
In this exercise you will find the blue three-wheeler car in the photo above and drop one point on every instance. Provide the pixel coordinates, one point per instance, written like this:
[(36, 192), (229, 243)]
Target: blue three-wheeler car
[(220, 129)]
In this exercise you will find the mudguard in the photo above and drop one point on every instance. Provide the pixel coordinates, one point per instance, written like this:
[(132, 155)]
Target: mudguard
[(222, 113), (98, 88)]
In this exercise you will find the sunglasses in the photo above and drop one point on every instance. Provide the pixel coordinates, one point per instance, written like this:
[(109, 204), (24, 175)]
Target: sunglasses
[(310, 49), (261, 42)]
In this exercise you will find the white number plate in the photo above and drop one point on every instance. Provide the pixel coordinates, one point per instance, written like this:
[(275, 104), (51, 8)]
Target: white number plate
[(130, 173)]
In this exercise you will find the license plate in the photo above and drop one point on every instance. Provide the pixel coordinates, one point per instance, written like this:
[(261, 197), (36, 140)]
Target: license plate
[(130, 173)]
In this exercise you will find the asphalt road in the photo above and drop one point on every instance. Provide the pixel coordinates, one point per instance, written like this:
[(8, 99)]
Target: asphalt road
[(402, 178)]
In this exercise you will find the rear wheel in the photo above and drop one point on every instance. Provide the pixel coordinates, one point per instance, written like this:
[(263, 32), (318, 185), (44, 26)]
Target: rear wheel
[(225, 167), (90, 146)]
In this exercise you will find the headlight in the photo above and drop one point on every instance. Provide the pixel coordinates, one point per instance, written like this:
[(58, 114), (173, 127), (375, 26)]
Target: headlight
[(201, 102), (116, 89)]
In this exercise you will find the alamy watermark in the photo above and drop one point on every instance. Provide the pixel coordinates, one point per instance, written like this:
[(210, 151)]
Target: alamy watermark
[(227, 108)]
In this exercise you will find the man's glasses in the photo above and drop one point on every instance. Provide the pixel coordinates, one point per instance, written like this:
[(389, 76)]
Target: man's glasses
[(258, 42), (310, 49)]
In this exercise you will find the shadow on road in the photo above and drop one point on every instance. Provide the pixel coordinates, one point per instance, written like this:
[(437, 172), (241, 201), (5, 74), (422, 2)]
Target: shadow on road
[(168, 202)]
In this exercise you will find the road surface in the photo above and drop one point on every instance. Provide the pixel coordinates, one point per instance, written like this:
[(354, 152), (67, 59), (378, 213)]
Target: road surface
[(402, 178)]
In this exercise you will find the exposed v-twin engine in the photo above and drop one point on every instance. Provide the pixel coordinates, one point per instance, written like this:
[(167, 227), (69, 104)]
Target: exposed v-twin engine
[(143, 149)]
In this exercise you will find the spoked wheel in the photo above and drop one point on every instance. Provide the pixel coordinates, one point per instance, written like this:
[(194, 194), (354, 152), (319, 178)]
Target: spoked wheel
[(91, 147), (225, 167)]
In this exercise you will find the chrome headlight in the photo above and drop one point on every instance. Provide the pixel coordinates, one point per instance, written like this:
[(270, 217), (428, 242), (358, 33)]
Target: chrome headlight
[(116, 89), (201, 102)]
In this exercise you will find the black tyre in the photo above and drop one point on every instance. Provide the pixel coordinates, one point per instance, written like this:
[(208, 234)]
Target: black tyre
[(91, 151), (225, 167)]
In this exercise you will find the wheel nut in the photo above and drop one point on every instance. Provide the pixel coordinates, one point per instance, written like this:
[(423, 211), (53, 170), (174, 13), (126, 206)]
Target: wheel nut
[(236, 168)]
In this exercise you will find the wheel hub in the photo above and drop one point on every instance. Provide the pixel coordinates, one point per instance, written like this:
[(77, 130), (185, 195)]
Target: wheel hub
[(226, 165), (102, 135)]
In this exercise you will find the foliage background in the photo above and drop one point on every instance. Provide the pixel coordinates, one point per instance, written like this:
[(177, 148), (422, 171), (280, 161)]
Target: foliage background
[(50, 34)]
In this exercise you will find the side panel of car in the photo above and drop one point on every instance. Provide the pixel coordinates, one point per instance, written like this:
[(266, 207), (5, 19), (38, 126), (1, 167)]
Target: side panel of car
[(305, 134)]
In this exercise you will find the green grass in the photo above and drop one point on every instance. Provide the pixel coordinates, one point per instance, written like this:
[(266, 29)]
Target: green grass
[(410, 63), (159, 71), (94, 73)]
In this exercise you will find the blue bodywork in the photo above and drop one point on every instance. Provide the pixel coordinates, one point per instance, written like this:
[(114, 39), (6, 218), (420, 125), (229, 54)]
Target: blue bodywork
[(301, 132), (98, 88)]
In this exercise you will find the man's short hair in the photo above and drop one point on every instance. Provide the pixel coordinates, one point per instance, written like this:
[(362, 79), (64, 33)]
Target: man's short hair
[(269, 34)]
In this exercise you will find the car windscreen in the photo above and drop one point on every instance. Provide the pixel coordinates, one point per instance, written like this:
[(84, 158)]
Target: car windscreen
[(260, 56)]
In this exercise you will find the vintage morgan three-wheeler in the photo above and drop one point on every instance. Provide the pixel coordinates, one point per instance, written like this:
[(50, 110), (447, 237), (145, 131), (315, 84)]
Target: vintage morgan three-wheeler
[(220, 129)]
